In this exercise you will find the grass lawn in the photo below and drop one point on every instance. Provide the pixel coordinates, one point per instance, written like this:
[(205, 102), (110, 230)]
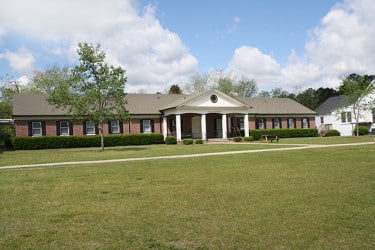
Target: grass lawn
[(313, 198)]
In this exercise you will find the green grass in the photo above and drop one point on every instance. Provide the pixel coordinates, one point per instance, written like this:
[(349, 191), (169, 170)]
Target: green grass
[(57, 155), (320, 198), (19, 157)]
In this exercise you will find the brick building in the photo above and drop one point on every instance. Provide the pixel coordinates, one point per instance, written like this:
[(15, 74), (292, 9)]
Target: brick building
[(211, 114)]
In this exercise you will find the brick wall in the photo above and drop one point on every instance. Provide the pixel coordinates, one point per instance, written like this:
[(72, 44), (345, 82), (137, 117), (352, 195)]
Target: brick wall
[(21, 128)]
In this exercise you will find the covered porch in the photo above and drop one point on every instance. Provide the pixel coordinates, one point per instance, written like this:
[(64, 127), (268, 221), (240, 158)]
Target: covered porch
[(206, 126), (212, 114)]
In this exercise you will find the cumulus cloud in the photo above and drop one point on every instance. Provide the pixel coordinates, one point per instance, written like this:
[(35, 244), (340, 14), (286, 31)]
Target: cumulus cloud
[(343, 43), (131, 36), (22, 61)]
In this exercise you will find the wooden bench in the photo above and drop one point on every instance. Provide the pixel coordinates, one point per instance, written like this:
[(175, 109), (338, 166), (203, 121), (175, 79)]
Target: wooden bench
[(269, 138)]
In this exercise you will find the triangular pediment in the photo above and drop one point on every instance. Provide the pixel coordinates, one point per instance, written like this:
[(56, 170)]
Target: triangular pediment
[(213, 98)]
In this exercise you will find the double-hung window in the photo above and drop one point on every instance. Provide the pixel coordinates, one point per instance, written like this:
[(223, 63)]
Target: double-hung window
[(276, 123), (305, 123), (90, 128), (146, 126), (115, 127), (346, 117), (291, 123), (261, 123), (64, 128), (36, 129)]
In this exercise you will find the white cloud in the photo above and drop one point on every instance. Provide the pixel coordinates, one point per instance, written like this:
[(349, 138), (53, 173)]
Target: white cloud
[(22, 61), (343, 43), (251, 62), (132, 38)]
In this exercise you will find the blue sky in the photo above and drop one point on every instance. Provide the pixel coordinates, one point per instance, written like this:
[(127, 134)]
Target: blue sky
[(293, 44), (214, 29)]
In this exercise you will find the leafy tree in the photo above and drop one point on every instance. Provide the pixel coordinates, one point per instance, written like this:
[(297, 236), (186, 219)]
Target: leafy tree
[(175, 89), (280, 93), (226, 85), (324, 93), (47, 81), (264, 94), (94, 91), (245, 87), (198, 84), (312, 98), (356, 89)]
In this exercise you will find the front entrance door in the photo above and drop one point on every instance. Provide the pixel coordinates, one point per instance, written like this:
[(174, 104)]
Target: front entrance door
[(218, 128), (196, 126)]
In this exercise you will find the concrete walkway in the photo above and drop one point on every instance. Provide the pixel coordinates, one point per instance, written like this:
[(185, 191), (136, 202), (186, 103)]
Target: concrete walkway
[(293, 147)]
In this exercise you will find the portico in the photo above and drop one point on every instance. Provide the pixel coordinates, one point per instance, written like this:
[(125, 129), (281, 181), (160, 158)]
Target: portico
[(208, 115)]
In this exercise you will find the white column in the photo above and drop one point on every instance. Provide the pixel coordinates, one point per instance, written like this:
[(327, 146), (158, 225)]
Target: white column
[(224, 125), (203, 127), (178, 127), (229, 125), (246, 125), (165, 127)]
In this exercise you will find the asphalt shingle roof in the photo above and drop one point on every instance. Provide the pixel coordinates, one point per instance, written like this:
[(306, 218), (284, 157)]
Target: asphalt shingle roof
[(331, 104), (37, 105)]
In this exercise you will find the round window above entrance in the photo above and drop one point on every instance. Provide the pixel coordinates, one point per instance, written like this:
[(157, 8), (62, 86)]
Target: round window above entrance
[(213, 98)]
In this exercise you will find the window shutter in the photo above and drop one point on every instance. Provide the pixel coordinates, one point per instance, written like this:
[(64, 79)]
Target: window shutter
[(44, 128), (141, 125), (264, 123), (257, 123), (96, 130), (57, 127), (70, 128), (84, 128), (152, 126), (109, 127), (30, 128), (121, 127), (280, 122)]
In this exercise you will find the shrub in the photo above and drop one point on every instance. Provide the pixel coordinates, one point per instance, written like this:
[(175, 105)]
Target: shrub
[(237, 139), (171, 140), (362, 130), (188, 141), (284, 132), (198, 141), (249, 138), (332, 132), (46, 142)]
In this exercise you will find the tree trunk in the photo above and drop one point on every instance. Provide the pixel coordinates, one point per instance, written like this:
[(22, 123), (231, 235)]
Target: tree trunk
[(102, 141), (101, 136)]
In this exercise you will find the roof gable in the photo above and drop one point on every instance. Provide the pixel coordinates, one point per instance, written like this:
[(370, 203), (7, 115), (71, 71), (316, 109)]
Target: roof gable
[(331, 104), (209, 99)]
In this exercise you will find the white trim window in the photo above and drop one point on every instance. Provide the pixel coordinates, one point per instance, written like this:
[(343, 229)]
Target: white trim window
[(64, 128), (146, 126), (305, 123), (261, 123), (346, 117), (90, 128), (115, 127), (276, 123), (291, 123), (36, 129)]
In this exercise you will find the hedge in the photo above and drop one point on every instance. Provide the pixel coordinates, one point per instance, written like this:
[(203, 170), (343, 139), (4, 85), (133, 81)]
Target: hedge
[(284, 133), (171, 140), (188, 141), (332, 132), (362, 130), (49, 142)]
